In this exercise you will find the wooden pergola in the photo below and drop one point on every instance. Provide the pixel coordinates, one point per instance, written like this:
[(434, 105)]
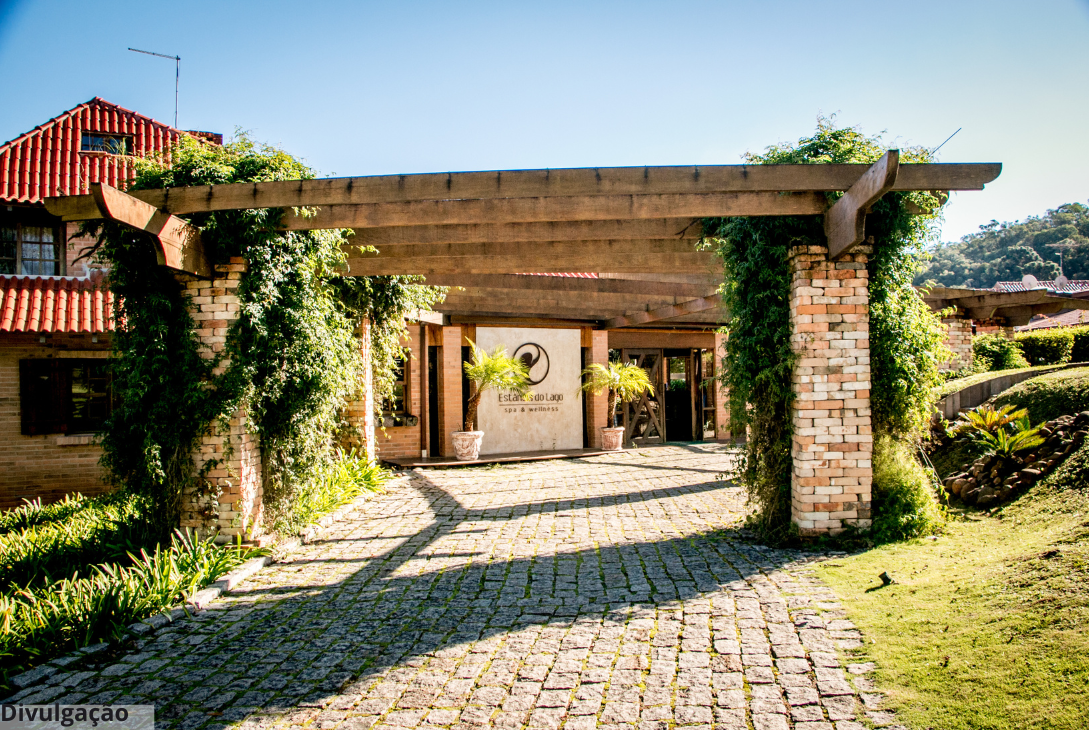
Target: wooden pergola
[(481, 231), (637, 229)]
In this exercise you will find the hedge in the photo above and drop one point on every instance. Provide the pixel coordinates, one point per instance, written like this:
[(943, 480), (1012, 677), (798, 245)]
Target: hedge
[(1080, 352), (995, 352), (1047, 347)]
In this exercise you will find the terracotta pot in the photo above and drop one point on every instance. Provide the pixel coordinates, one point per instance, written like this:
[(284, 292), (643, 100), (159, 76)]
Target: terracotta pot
[(467, 444), (612, 439)]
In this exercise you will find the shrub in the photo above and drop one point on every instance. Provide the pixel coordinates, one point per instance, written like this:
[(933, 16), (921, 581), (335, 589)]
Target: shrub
[(106, 529), (39, 623), (1047, 347), (904, 499), (346, 477), (31, 512), (1080, 351), (994, 352), (1050, 396)]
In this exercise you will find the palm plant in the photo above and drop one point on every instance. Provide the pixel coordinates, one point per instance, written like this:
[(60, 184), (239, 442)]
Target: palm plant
[(624, 381), (494, 370), (1007, 444), (986, 420)]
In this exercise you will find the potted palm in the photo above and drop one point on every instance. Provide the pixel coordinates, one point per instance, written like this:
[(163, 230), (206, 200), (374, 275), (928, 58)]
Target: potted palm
[(625, 382), (488, 371)]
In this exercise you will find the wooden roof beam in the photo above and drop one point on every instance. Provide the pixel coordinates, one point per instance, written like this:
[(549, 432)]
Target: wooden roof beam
[(845, 222), (536, 183), (674, 228), (668, 312), (544, 210), (178, 244), (649, 263), (529, 248), (521, 282)]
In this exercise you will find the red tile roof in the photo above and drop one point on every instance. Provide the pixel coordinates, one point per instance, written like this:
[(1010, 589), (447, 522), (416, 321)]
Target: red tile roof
[(1066, 318), (48, 160), (1070, 286), (55, 304)]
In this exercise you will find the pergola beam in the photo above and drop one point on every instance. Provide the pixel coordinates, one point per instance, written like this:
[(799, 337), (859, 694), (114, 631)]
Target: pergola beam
[(674, 228), (543, 210), (534, 183), (845, 222), (640, 263), (670, 311), (530, 248), (178, 244), (521, 282)]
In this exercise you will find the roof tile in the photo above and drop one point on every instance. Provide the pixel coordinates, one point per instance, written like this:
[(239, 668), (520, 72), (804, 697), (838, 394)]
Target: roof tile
[(55, 304)]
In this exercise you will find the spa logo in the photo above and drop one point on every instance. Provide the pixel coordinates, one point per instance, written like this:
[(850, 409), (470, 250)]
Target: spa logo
[(535, 359)]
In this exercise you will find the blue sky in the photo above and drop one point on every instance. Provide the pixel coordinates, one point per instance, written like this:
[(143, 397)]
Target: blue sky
[(362, 88)]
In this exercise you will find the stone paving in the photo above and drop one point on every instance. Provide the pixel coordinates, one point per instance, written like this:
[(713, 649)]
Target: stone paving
[(601, 592)]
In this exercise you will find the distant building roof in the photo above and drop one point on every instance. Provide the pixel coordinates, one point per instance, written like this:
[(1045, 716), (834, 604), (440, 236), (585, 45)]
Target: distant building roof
[(76, 148), (55, 304), (1065, 318), (1029, 283)]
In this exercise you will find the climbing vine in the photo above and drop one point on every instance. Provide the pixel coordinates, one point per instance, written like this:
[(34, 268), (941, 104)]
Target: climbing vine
[(905, 336), (292, 358)]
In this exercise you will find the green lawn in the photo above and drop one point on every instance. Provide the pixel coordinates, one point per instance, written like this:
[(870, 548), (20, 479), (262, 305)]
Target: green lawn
[(953, 386), (985, 626)]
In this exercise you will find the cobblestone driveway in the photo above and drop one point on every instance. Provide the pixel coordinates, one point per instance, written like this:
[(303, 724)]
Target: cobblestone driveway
[(604, 591)]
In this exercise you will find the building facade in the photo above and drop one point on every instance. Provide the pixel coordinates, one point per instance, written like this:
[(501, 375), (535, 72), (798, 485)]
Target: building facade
[(55, 320)]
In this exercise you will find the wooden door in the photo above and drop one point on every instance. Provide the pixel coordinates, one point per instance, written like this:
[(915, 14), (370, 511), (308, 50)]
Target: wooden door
[(644, 418)]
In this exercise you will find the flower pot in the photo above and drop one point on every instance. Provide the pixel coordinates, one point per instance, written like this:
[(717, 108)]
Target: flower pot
[(467, 444), (612, 438)]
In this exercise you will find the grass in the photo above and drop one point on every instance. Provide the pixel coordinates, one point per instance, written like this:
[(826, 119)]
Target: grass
[(952, 386), (986, 626), (1050, 396)]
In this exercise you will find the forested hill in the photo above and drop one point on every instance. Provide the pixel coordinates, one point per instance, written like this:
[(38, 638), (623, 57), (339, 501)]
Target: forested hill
[(1008, 251)]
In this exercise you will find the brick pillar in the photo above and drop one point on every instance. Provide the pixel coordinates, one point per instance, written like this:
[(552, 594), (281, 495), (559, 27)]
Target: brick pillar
[(450, 373), (833, 444), (958, 338), (722, 395), (230, 500), (597, 406)]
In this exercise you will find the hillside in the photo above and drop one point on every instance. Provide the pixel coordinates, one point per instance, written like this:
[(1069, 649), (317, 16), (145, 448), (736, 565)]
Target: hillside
[(1008, 251)]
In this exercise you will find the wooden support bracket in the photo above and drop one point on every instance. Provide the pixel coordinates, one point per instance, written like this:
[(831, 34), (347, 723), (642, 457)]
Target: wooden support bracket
[(692, 306), (179, 245), (845, 222)]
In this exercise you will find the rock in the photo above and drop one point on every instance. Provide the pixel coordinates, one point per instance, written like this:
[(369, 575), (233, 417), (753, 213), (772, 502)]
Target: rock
[(1030, 474)]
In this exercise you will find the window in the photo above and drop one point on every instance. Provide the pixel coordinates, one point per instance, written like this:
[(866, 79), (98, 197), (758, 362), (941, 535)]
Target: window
[(64, 395), (29, 249), (398, 404), (111, 144)]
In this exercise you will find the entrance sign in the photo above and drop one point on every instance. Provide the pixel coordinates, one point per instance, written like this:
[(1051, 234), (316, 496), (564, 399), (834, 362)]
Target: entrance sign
[(553, 418)]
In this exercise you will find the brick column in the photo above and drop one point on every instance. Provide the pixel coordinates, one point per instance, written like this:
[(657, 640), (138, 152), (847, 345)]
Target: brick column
[(722, 395), (597, 406), (230, 499), (833, 444), (450, 373), (958, 339)]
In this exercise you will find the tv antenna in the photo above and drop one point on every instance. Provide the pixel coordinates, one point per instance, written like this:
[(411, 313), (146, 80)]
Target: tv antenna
[(954, 134), (177, 76)]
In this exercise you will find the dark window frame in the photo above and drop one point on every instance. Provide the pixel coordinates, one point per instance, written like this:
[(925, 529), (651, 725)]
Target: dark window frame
[(64, 395), (17, 260), (87, 146), (388, 404)]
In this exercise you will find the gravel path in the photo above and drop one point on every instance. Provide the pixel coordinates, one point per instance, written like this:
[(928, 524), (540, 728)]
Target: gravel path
[(601, 592)]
